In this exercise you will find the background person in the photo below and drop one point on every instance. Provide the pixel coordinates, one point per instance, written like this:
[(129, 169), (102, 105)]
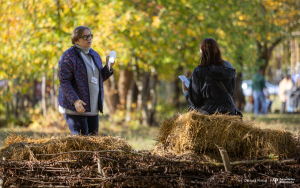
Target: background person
[(81, 77), (258, 87), (285, 85), (292, 99), (212, 83)]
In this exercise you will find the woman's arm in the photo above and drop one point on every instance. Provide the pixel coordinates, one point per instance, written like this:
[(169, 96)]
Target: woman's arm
[(233, 84), (194, 95), (66, 76), (105, 72), (232, 81)]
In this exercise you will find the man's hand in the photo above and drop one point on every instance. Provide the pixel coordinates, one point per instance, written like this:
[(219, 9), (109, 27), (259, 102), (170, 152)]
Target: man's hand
[(79, 106), (111, 65), (184, 88)]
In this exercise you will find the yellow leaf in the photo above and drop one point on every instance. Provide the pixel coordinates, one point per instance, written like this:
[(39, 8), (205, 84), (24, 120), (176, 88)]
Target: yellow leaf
[(156, 21), (210, 31)]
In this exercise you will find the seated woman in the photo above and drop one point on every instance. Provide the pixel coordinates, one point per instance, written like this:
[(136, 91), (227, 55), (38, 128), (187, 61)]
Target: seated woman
[(212, 83)]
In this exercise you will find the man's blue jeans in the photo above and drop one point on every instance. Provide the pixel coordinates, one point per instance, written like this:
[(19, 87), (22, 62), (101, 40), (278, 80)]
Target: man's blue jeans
[(83, 125), (259, 97)]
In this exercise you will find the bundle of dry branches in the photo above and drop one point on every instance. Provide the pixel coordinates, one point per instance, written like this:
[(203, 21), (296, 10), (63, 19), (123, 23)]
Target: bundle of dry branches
[(106, 161), (126, 169)]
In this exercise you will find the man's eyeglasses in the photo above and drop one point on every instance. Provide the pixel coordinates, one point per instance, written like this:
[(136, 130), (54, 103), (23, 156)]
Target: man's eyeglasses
[(85, 37)]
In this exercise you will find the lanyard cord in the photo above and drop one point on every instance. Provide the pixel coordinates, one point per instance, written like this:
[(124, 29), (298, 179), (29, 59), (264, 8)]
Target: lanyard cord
[(92, 64)]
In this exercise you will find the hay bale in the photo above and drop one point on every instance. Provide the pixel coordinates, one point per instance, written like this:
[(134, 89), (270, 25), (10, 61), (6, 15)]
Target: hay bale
[(200, 134), (18, 147)]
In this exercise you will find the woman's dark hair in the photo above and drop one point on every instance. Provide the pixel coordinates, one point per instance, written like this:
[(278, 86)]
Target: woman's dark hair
[(78, 32), (211, 53)]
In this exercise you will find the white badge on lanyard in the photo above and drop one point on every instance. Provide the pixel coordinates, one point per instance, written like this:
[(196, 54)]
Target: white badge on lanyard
[(94, 80)]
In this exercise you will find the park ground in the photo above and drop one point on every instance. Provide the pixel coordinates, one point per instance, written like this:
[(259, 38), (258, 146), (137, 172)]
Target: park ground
[(140, 137)]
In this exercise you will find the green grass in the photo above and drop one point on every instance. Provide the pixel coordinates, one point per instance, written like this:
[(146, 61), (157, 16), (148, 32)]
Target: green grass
[(139, 137), (289, 122)]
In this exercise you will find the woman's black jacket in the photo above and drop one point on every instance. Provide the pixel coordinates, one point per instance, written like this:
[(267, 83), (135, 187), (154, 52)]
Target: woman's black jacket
[(206, 91)]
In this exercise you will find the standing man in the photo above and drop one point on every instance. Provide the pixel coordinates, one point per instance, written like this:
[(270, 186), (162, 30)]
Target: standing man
[(258, 87), (81, 77)]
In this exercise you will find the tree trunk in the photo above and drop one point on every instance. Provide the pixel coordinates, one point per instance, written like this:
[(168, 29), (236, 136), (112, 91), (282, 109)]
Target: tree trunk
[(33, 99), (139, 102), (293, 56), (7, 108), (44, 105), (135, 93), (145, 97), (139, 83), (7, 114), (111, 96), (55, 88), (187, 73), (239, 97), (124, 85), (22, 105), (16, 105), (52, 96), (12, 107), (264, 52), (54, 93), (153, 93), (136, 78), (177, 87), (143, 94), (129, 99)]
